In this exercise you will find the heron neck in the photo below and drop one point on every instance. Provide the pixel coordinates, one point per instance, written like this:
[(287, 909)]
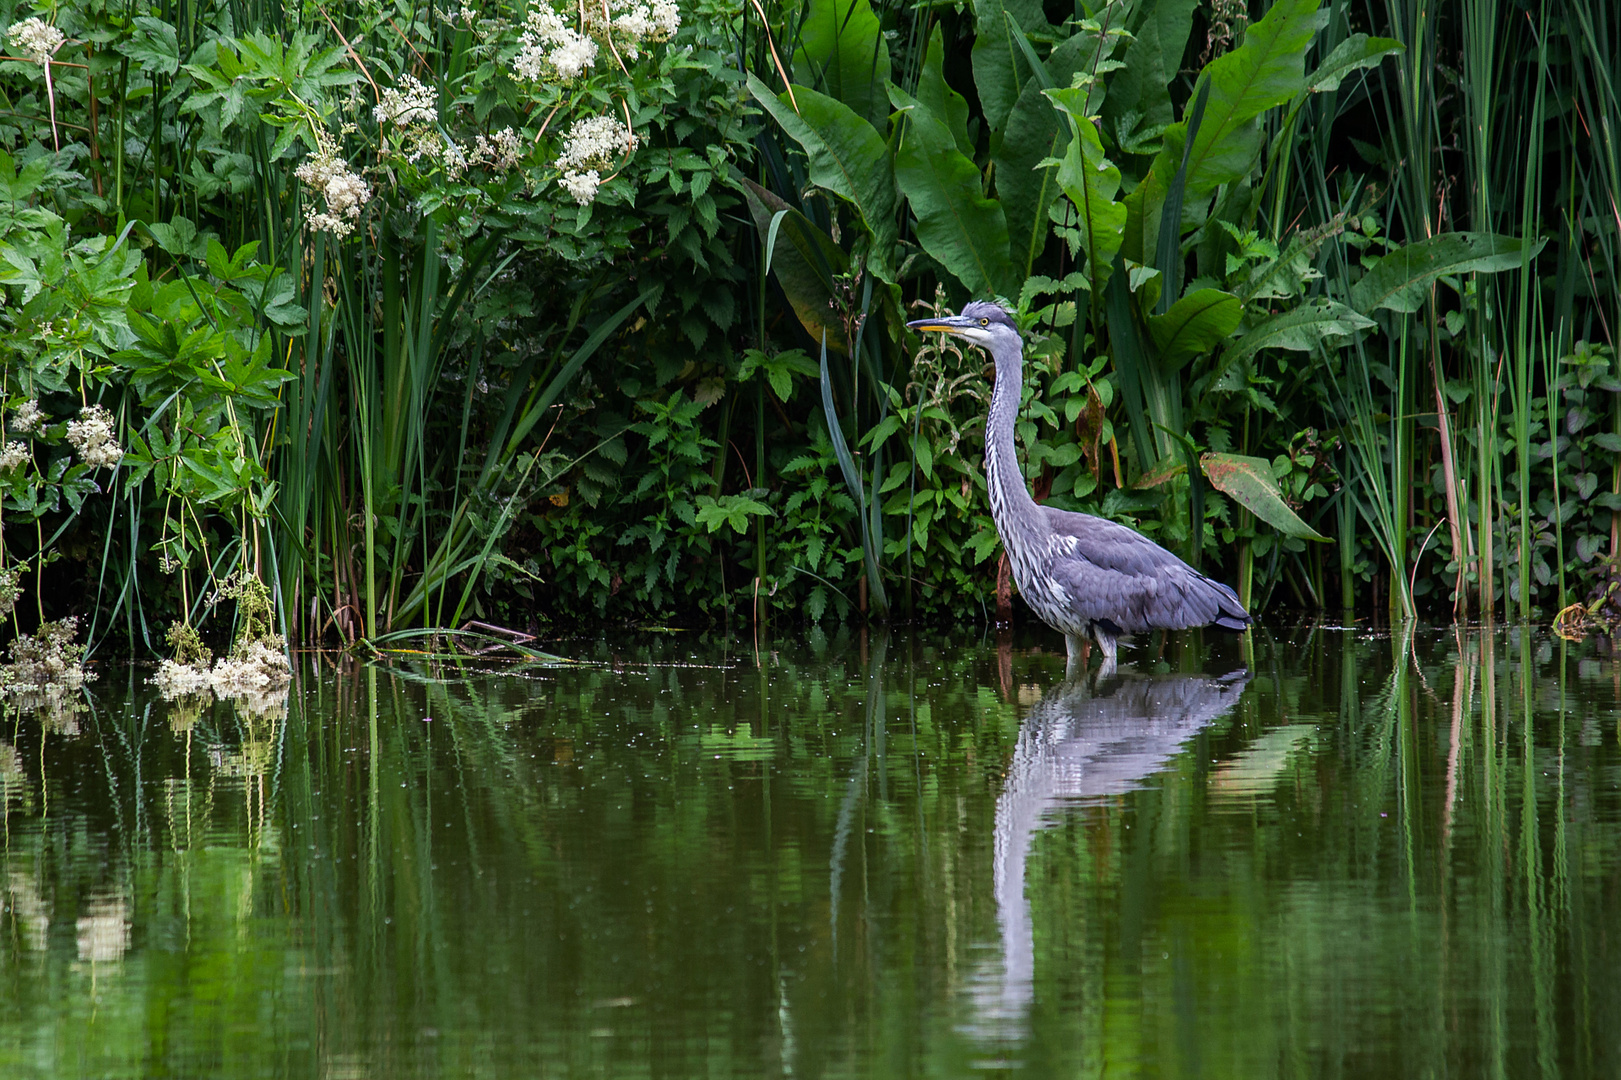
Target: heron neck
[(1010, 499)]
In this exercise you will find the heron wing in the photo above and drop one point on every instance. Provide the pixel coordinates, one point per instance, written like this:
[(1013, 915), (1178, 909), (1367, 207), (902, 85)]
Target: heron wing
[(1114, 573)]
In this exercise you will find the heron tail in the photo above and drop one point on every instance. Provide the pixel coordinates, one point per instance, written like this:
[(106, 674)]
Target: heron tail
[(1230, 613)]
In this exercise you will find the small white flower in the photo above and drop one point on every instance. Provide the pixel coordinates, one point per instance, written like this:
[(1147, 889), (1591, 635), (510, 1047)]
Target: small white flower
[(582, 185), (500, 151), (345, 193), (455, 160), (666, 19), (552, 48), (570, 58), (30, 418), (14, 454), (408, 103), (36, 39), (92, 436), (595, 142)]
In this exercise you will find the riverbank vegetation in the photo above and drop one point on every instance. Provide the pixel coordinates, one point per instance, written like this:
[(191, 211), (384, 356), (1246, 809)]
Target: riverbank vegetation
[(545, 315)]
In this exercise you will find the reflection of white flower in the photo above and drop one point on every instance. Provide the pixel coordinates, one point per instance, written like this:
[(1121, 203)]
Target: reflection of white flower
[(30, 418), (14, 454), (408, 103), (36, 39), (92, 436), (345, 193), (104, 931), (582, 185)]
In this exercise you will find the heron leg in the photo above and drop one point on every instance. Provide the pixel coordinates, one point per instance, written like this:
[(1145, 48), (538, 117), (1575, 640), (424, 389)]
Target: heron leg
[(1078, 649), (1106, 642)]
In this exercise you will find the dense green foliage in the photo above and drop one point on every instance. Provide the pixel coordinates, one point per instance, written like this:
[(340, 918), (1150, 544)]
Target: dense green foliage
[(543, 316)]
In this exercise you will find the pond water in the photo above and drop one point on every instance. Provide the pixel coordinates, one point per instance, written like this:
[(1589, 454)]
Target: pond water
[(1344, 854)]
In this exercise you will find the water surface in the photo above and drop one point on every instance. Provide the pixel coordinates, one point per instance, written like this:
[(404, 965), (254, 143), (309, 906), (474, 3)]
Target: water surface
[(1347, 854)]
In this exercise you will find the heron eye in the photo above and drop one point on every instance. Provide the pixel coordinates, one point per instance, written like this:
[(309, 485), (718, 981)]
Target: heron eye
[(984, 322)]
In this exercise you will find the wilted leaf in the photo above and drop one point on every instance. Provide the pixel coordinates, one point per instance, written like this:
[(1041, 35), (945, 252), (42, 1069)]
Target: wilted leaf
[(1249, 481)]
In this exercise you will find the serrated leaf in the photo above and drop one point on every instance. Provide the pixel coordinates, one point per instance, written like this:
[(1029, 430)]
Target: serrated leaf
[(1401, 280), (1194, 325), (1300, 329), (1355, 53)]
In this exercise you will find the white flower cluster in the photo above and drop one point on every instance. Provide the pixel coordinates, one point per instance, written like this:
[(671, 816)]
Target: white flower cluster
[(92, 436), (551, 47), (36, 39), (262, 666), (47, 659), (11, 589), (344, 192), (30, 418), (499, 151), (582, 185), (593, 144), (14, 453), (408, 103), (636, 23)]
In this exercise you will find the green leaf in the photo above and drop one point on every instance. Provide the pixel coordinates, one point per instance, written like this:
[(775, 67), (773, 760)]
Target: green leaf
[(1353, 54), (153, 45), (1401, 280), (842, 53), (1139, 96), (1265, 72), (847, 157), (1249, 482), (1300, 329), (959, 228), (1000, 68), (805, 260), (1034, 134), (1194, 325), (1091, 182), (948, 106)]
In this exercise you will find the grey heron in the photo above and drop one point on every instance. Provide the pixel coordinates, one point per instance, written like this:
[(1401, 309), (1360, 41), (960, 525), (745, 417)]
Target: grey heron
[(1082, 575)]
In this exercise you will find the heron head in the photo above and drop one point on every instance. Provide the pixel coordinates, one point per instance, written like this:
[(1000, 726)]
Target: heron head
[(982, 323)]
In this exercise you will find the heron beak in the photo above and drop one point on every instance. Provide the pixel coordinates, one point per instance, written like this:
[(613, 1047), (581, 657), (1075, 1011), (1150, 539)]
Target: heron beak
[(948, 325)]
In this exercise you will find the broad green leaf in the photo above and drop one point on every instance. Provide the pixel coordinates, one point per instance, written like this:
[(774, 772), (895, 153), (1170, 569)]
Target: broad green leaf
[(1138, 93), (1299, 329), (958, 227), (1034, 134), (1000, 68), (1194, 325), (1263, 73), (1400, 280), (1091, 181), (847, 157), (805, 260), (842, 53), (1249, 481), (1354, 53), (948, 106)]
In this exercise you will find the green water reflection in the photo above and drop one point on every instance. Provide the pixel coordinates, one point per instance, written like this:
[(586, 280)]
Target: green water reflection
[(889, 856)]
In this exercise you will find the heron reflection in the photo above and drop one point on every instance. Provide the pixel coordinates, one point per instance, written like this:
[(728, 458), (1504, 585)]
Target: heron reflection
[(1079, 743)]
